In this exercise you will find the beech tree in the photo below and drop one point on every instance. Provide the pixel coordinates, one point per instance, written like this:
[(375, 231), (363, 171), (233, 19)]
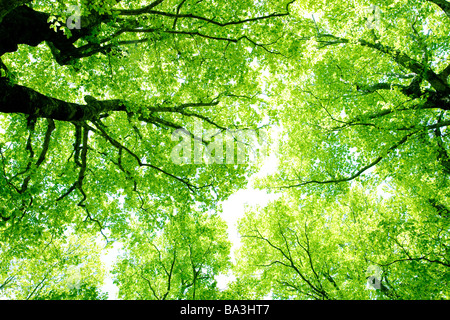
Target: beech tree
[(364, 163), (114, 116), (90, 94), (371, 95), (356, 246)]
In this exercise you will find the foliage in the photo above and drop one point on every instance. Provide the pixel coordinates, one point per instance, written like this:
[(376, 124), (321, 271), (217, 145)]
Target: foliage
[(67, 267), (312, 248), (83, 293)]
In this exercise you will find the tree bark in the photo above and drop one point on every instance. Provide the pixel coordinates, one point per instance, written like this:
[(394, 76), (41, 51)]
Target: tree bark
[(6, 6), (24, 25)]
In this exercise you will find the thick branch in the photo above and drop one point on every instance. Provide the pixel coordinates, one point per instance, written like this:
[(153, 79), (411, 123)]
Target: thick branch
[(411, 64), (50, 128), (20, 99), (416, 259), (24, 25)]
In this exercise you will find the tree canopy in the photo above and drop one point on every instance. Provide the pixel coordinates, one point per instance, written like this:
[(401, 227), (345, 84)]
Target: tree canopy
[(132, 121)]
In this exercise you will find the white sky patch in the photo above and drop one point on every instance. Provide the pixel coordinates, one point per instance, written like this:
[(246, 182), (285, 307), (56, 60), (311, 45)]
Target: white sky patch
[(109, 259), (235, 207), (269, 167), (223, 280), (384, 190), (32, 59), (254, 64)]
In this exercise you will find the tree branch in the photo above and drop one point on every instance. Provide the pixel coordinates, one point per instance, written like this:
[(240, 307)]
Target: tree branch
[(356, 174), (292, 265), (140, 11), (401, 58), (119, 146), (50, 128), (416, 259)]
